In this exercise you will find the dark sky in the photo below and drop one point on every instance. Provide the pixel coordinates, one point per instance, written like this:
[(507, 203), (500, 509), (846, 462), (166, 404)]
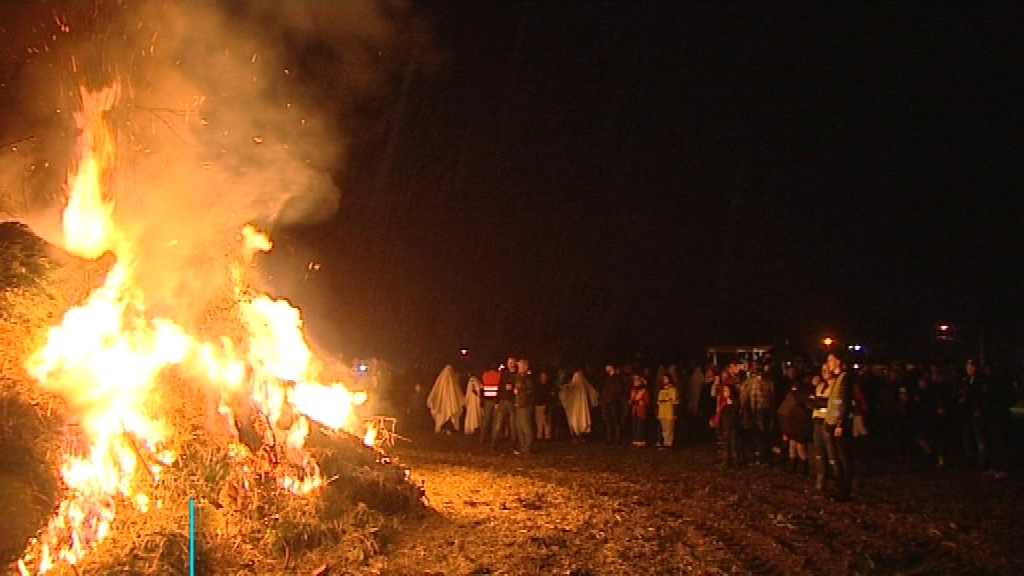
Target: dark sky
[(611, 177)]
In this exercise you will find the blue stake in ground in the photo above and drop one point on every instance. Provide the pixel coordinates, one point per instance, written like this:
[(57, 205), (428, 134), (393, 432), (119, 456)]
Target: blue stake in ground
[(191, 537)]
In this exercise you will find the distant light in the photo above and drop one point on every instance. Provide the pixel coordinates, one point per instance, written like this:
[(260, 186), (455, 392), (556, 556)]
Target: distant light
[(362, 367), (857, 347), (828, 341), (856, 366), (464, 351), (944, 327)]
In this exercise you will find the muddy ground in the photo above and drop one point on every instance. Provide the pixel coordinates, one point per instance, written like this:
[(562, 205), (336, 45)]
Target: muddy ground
[(595, 509)]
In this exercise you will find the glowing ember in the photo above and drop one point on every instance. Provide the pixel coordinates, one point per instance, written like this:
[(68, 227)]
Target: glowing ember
[(370, 438), (107, 355)]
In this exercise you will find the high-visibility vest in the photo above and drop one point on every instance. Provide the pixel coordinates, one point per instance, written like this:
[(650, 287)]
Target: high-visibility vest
[(490, 382)]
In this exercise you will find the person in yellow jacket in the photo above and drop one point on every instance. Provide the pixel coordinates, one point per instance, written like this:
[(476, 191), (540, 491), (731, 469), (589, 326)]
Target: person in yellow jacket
[(668, 399)]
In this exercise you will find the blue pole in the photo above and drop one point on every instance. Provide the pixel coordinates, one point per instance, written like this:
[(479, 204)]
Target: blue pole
[(191, 537)]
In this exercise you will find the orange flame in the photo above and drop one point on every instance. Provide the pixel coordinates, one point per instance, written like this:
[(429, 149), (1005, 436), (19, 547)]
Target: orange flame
[(87, 218), (107, 355), (370, 437)]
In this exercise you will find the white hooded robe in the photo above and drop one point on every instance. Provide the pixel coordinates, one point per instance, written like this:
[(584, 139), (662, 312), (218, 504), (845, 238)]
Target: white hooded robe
[(472, 405), (578, 397), (446, 399)]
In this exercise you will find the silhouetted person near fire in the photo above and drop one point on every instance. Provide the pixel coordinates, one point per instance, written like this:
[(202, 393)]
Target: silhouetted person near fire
[(504, 415), (543, 398), (524, 395), (612, 398), (971, 402)]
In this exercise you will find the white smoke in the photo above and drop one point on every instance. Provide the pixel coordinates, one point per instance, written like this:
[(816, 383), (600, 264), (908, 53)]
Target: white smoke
[(232, 112)]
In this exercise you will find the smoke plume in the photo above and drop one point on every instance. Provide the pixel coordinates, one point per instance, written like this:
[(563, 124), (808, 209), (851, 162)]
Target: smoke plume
[(231, 113)]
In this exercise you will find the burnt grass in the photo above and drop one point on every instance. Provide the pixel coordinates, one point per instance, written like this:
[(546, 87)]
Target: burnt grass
[(591, 508)]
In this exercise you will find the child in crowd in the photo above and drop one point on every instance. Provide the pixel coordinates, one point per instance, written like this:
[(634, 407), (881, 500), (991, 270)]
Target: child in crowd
[(638, 400), (668, 399), (727, 421)]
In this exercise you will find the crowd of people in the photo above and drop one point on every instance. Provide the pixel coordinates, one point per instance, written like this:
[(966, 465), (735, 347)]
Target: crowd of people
[(818, 421)]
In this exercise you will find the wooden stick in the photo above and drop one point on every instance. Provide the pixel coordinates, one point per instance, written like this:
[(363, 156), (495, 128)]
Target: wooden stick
[(138, 453)]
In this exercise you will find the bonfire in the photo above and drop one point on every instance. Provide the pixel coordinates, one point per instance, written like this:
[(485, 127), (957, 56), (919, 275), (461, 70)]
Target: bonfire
[(231, 413)]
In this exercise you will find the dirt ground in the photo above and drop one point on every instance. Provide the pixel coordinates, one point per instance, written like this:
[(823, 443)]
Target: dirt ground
[(590, 508)]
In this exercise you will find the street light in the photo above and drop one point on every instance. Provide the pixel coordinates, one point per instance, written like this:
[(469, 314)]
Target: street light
[(828, 341)]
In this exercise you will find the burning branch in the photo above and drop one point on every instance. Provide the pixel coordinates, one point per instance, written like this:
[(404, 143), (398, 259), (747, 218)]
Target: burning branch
[(143, 461)]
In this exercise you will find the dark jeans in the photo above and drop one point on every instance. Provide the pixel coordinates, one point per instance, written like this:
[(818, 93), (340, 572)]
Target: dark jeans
[(524, 428), (639, 428), (974, 440), (612, 416), (999, 425), (824, 451), (487, 418), (503, 414), (843, 450), (730, 440), (762, 435)]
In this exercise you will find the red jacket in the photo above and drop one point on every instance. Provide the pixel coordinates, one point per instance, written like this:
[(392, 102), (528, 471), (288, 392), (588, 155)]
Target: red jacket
[(639, 398)]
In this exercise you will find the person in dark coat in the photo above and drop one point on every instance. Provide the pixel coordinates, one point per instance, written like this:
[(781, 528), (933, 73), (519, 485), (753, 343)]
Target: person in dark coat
[(727, 421), (613, 396), (795, 421)]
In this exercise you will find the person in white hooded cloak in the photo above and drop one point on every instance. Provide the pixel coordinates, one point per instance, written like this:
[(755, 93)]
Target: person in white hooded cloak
[(446, 399), (578, 397), (472, 405)]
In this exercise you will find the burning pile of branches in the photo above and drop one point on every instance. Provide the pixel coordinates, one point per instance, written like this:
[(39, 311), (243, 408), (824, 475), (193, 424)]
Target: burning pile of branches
[(230, 413)]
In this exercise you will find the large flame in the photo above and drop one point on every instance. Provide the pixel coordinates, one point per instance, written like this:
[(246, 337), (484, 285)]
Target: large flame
[(88, 227), (107, 355)]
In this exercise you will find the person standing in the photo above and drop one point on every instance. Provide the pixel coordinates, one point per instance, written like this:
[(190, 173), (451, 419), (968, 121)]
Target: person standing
[(693, 391), (795, 421), (970, 398), (839, 424), (668, 399), (638, 401), (490, 382), (578, 396), (611, 397), (823, 453), (726, 421), (525, 409), (504, 414), (472, 423), (761, 408), (542, 400)]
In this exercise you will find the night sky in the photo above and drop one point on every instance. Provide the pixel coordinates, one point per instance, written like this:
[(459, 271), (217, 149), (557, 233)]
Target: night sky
[(607, 178)]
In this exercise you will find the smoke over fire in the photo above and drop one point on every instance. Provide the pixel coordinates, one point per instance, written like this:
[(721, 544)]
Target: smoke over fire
[(231, 113), (176, 133)]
